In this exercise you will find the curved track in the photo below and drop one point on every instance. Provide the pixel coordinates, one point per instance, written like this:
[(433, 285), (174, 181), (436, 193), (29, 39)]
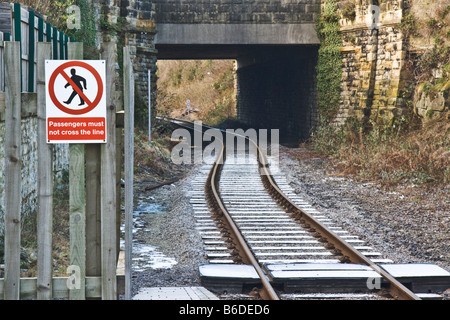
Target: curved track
[(261, 224)]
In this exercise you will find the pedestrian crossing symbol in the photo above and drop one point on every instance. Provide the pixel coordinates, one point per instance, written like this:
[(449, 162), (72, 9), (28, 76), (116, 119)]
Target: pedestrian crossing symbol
[(75, 101)]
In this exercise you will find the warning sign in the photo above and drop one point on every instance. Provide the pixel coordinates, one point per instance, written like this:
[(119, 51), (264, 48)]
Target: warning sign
[(75, 101)]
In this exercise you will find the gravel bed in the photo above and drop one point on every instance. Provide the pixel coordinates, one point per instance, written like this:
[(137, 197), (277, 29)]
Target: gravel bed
[(172, 232), (407, 225)]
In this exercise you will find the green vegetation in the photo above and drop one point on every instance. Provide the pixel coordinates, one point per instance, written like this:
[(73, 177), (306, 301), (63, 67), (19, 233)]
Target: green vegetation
[(87, 32), (55, 10), (56, 13), (348, 9), (329, 65), (408, 25)]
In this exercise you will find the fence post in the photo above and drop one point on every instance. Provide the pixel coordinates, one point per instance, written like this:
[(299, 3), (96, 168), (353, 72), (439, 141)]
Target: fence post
[(61, 46), (18, 35), (93, 218), (77, 204), (45, 183), (41, 30), (55, 43), (129, 165), (108, 181), (48, 27), (12, 170)]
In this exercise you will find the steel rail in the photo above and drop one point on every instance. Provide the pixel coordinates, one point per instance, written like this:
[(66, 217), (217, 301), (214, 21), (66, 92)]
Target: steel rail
[(397, 290), (215, 202), (244, 251), (350, 255)]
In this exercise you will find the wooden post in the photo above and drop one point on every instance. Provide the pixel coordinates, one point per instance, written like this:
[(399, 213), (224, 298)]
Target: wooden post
[(129, 165), (93, 218), (13, 194), (119, 165), (108, 181), (149, 107), (45, 183), (77, 201), (93, 212)]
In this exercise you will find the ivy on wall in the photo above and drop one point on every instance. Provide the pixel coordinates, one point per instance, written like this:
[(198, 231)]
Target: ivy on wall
[(88, 31), (329, 66)]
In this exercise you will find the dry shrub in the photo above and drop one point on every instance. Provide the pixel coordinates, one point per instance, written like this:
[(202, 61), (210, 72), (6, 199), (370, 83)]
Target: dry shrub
[(420, 156), (208, 84), (153, 163)]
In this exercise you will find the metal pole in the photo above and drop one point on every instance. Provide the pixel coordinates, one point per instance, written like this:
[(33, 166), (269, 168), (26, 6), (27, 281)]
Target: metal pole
[(128, 172)]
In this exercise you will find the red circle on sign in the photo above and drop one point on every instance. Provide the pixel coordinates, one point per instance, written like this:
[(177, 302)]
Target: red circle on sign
[(60, 70)]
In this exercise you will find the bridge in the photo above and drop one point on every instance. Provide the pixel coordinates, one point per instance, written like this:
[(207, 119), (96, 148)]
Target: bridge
[(273, 41), (231, 29)]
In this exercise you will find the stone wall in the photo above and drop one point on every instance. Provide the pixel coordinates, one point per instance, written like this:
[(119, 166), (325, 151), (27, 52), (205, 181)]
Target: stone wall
[(131, 23), (373, 55), (136, 23), (236, 11), (430, 42), (431, 106), (29, 173)]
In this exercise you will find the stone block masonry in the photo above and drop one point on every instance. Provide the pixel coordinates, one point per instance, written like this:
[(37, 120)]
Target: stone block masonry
[(373, 56), (131, 23), (139, 21), (245, 30), (236, 11)]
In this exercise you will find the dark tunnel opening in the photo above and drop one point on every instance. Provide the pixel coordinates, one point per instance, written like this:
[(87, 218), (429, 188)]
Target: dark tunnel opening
[(276, 85)]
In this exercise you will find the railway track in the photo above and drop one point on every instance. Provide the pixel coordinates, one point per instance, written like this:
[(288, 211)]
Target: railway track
[(258, 220)]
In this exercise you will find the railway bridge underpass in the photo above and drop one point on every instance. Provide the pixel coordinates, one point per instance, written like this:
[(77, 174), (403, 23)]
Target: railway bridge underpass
[(275, 69)]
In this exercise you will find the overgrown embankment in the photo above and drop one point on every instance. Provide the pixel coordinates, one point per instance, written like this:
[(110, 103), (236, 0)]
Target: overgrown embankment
[(412, 147), (209, 85)]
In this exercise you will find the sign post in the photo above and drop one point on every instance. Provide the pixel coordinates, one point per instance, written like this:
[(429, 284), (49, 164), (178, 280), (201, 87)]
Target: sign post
[(75, 101)]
